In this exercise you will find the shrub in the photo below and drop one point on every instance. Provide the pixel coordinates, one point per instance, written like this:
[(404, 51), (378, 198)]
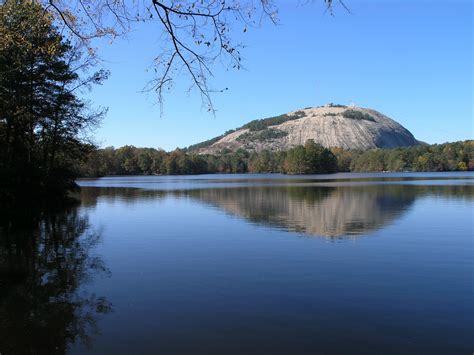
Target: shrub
[(357, 115), (258, 125), (244, 137), (264, 135), (204, 144), (269, 134)]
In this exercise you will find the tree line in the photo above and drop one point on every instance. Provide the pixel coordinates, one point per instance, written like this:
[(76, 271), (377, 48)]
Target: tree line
[(455, 156), (310, 158), (129, 160)]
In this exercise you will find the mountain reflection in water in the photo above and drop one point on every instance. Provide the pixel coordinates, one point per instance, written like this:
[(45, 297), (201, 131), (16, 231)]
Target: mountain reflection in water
[(326, 211), (318, 211)]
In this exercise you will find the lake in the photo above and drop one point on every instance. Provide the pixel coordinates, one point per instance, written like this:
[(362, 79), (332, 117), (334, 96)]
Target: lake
[(246, 264)]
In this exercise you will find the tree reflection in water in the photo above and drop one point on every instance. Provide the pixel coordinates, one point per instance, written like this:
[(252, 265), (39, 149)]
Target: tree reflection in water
[(43, 307)]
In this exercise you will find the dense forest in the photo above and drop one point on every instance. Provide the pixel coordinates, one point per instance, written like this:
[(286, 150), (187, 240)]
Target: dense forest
[(43, 121), (308, 159)]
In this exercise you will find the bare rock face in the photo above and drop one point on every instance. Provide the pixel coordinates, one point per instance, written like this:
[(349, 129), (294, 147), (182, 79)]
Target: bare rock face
[(330, 126)]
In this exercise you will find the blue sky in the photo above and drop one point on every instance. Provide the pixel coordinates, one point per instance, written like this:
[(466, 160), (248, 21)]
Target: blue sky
[(409, 59)]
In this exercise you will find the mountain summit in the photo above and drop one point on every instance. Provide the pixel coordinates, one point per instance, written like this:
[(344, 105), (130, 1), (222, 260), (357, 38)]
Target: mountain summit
[(331, 126)]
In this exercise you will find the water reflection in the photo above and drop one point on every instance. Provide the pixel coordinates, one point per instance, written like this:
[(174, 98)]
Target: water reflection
[(42, 270), (317, 211), (180, 285), (326, 211), (89, 196), (189, 280)]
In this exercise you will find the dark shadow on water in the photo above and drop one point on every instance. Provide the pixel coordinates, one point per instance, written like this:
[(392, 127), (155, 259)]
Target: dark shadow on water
[(45, 260)]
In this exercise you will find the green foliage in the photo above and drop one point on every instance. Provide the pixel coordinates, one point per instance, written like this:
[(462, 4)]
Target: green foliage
[(267, 162), (129, 160), (271, 133), (357, 115), (267, 134), (42, 119), (344, 158), (205, 144), (311, 158), (295, 162), (245, 137), (209, 142), (437, 157), (258, 125)]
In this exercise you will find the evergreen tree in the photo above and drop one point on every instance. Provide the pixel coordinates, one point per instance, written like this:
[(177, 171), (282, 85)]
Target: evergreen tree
[(41, 116)]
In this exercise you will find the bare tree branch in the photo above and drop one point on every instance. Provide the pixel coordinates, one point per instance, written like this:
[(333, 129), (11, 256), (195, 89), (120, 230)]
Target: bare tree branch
[(196, 32)]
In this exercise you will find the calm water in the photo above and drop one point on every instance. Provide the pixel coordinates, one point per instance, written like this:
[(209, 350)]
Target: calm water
[(246, 264)]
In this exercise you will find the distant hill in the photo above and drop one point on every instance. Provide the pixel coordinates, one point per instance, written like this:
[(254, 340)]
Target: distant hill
[(330, 125)]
